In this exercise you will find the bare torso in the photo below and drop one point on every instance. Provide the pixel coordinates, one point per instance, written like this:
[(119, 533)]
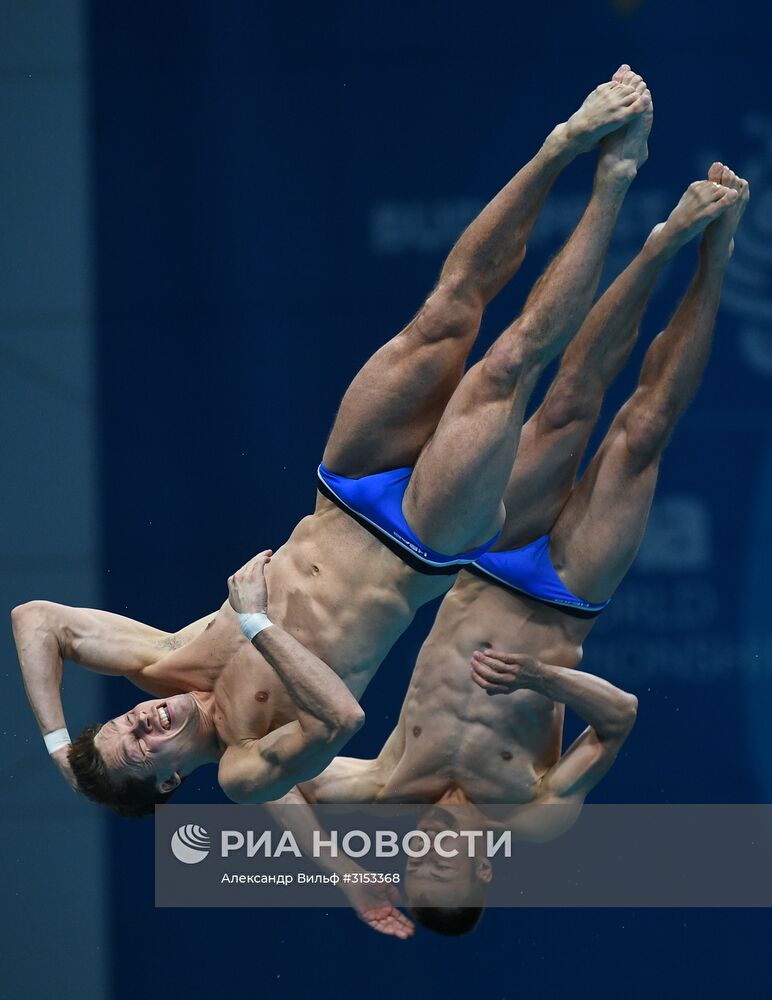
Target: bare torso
[(337, 590), (457, 743)]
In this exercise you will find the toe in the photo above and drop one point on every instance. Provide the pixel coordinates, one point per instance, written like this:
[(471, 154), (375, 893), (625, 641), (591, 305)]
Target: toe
[(733, 180), (714, 174), (722, 197), (706, 191), (624, 68), (627, 96), (630, 97)]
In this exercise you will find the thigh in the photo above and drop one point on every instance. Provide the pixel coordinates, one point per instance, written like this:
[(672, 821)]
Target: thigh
[(600, 529), (454, 499), (542, 477), (395, 402)]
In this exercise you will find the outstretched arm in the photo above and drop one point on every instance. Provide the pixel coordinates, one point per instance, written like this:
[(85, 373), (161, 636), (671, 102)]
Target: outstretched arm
[(46, 634), (328, 714), (608, 711)]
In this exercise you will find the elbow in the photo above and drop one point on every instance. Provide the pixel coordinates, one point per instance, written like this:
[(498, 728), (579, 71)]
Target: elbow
[(31, 613), (353, 721), (629, 711), (245, 792), (624, 718), (30, 608), (19, 613), (345, 725)]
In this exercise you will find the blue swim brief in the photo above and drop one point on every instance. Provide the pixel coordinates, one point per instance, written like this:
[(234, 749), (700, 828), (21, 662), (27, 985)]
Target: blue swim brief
[(375, 502), (529, 570)]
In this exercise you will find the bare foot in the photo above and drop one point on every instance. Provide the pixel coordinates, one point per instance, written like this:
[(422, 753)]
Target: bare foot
[(622, 152), (610, 106), (717, 239), (701, 204)]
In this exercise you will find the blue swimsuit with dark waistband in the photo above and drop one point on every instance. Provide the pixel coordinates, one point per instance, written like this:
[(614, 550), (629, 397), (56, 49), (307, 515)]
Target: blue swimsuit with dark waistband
[(375, 502), (529, 571)]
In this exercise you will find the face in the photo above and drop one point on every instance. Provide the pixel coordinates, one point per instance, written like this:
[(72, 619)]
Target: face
[(434, 880), (154, 738)]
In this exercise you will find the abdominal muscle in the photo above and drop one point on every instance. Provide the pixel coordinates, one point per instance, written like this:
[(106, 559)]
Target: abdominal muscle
[(457, 738), (338, 591), (344, 595)]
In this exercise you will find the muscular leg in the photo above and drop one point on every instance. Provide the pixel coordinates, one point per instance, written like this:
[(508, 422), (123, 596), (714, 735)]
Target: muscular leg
[(601, 526), (394, 404), (555, 437), (454, 498)]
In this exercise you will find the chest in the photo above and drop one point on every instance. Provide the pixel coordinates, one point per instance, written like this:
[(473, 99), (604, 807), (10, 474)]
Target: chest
[(250, 700), (484, 757)]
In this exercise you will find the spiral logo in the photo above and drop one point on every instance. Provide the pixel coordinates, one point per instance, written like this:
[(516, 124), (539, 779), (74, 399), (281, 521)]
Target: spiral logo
[(190, 844)]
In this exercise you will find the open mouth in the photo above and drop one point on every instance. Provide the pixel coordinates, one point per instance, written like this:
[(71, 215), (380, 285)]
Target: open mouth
[(164, 716)]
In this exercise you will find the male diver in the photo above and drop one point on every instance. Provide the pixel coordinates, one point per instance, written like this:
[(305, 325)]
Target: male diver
[(411, 487), (481, 725)]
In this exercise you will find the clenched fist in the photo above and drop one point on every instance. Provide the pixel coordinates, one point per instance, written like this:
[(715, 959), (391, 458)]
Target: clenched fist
[(247, 589)]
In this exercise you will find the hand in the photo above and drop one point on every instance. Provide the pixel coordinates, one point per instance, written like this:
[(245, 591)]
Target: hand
[(247, 589), (503, 673), (59, 758), (376, 905)]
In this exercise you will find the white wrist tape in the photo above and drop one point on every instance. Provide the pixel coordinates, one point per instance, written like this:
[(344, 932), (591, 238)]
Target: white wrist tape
[(252, 625), (56, 740)]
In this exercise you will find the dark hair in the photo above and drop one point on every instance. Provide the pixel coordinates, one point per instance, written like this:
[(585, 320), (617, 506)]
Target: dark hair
[(133, 797), (449, 920)]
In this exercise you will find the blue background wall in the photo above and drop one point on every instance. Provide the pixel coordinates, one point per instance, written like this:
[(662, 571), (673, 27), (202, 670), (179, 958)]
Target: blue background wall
[(275, 189)]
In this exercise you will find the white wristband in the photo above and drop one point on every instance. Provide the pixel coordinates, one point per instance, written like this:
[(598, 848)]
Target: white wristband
[(252, 625), (56, 740)]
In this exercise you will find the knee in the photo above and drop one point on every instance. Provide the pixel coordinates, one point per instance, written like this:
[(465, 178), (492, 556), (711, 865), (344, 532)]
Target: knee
[(647, 429), (450, 312), (570, 401), (509, 361)]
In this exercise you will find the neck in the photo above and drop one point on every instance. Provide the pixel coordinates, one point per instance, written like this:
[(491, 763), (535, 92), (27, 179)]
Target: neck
[(211, 748)]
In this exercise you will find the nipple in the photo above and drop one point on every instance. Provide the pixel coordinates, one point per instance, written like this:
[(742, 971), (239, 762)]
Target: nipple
[(416, 731), (261, 696)]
